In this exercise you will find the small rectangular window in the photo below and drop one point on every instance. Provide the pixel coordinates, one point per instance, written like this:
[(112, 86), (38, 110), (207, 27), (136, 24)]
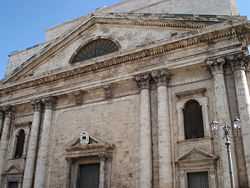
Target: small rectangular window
[(88, 176), (12, 184), (198, 180)]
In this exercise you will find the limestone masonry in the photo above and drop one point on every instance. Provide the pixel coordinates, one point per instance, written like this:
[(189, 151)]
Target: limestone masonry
[(123, 98)]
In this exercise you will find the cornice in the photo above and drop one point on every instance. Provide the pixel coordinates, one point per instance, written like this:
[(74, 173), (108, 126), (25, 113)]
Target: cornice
[(171, 20), (178, 42), (149, 51)]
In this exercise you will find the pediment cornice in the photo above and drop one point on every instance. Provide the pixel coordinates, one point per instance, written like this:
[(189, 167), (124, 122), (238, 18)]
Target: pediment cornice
[(95, 147), (210, 33), (152, 20), (195, 155)]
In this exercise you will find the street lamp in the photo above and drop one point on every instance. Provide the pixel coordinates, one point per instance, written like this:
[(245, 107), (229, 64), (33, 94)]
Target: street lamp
[(227, 129)]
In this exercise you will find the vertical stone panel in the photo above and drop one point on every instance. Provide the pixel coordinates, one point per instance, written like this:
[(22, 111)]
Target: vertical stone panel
[(40, 174), (234, 112), (32, 146), (1, 122), (145, 132), (5, 139), (161, 78), (239, 62), (223, 116)]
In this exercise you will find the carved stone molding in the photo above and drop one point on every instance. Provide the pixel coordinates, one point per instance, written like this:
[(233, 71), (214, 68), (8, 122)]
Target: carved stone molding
[(37, 105), (108, 91), (216, 65), (143, 81), (78, 97), (8, 110), (239, 61), (49, 102), (135, 55), (105, 155), (185, 94), (161, 77)]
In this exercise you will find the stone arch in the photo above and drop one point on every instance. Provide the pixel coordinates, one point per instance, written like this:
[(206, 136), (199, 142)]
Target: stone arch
[(193, 120), (94, 48)]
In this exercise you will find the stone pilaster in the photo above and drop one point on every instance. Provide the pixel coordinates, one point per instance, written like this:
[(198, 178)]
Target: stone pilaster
[(5, 138), (32, 146), (161, 77), (239, 63), (1, 121), (40, 173), (103, 158), (223, 116), (145, 142)]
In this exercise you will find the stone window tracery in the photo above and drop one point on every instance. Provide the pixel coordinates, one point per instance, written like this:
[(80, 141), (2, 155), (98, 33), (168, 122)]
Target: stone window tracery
[(94, 49)]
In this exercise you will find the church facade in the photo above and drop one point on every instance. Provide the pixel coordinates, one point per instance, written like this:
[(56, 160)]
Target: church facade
[(123, 98)]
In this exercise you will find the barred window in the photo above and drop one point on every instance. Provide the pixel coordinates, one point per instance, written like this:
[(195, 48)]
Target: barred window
[(94, 49)]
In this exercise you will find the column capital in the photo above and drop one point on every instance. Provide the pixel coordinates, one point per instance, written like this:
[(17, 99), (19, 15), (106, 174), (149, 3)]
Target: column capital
[(8, 110), (49, 102), (161, 77), (143, 81), (216, 65), (37, 105), (104, 156), (238, 61)]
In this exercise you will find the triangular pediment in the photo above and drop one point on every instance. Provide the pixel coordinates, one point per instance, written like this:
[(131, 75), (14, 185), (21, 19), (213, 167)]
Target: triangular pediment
[(13, 170), (195, 155), (94, 143), (176, 24)]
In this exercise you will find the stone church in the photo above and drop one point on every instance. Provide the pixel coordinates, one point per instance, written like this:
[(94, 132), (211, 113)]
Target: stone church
[(123, 97)]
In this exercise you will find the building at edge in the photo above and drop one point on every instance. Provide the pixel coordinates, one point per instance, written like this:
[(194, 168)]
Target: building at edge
[(123, 97)]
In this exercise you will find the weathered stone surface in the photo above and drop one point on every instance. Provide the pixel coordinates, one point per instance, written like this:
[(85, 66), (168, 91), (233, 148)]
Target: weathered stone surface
[(129, 102), (207, 7)]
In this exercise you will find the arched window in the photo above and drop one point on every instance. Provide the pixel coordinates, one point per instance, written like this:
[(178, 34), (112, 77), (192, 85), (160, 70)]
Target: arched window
[(94, 49), (193, 121), (20, 137)]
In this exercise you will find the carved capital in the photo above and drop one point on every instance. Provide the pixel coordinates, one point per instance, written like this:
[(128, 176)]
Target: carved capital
[(108, 91), (49, 102), (143, 81), (37, 105), (216, 65), (161, 77), (238, 61), (104, 156), (78, 97), (8, 111)]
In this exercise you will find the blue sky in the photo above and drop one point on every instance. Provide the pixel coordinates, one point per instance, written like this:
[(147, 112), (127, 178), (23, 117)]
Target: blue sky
[(23, 21)]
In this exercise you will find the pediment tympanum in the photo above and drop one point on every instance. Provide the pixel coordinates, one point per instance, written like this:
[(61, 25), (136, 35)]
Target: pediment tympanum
[(196, 155), (175, 25), (13, 170), (95, 147)]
